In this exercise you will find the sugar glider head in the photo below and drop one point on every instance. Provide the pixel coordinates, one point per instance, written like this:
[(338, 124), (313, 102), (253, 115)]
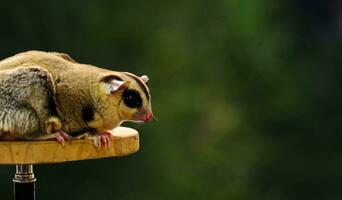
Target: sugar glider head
[(132, 95)]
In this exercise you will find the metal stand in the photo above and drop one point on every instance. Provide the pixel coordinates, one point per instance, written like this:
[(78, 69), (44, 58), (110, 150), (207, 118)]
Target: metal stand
[(29, 153), (24, 183)]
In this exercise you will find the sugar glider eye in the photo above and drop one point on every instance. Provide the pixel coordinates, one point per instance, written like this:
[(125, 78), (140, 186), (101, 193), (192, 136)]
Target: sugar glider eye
[(132, 98)]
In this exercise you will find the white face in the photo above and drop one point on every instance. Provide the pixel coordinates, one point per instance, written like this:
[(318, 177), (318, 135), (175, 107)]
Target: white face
[(136, 105), (135, 102)]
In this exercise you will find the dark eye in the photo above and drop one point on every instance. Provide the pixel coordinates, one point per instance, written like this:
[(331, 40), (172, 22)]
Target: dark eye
[(132, 98)]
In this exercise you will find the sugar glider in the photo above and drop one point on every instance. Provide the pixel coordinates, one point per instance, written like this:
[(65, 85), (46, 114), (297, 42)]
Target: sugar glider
[(67, 98)]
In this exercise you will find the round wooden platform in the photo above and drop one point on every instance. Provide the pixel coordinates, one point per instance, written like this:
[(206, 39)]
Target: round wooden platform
[(124, 142)]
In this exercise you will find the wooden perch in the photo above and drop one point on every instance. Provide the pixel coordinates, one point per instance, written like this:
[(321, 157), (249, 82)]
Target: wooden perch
[(124, 142)]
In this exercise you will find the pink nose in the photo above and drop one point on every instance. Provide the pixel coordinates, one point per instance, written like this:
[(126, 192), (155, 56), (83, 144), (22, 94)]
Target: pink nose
[(148, 116)]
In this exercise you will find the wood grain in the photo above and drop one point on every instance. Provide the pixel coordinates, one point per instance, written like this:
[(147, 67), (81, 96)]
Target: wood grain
[(125, 142)]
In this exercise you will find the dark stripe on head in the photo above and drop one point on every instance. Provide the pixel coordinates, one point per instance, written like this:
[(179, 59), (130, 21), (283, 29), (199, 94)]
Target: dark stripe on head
[(140, 83), (111, 77)]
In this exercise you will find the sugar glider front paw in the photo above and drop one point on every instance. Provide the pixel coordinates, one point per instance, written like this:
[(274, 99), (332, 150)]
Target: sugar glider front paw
[(102, 139), (62, 136)]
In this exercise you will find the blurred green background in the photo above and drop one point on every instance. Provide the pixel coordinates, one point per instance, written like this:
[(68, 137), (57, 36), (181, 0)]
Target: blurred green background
[(247, 94)]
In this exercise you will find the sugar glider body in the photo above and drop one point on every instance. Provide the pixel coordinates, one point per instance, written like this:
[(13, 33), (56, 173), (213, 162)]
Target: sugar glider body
[(86, 98)]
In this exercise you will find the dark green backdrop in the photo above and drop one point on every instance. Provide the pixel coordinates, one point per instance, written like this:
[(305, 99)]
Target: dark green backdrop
[(247, 94)]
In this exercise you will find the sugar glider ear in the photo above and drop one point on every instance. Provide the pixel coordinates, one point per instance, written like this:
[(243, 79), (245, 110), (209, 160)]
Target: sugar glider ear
[(144, 78), (112, 85), (117, 85)]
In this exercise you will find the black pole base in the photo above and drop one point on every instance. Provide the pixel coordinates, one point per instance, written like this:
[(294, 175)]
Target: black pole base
[(24, 191), (24, 183)]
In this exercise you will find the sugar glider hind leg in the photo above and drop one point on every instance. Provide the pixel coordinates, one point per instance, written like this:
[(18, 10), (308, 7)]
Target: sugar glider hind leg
[(27, 108)]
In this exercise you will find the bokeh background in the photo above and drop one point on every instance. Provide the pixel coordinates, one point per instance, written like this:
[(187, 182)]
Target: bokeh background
[(247, 94)]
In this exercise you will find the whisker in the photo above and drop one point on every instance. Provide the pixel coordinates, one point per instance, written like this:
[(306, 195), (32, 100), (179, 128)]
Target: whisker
[(154, 117)]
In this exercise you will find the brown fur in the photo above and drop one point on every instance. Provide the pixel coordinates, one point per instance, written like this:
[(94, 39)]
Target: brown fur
[(77, 86), (22, 116)]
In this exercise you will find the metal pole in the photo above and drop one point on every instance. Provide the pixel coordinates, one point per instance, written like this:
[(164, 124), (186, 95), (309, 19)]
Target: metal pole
[(24, 183)]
